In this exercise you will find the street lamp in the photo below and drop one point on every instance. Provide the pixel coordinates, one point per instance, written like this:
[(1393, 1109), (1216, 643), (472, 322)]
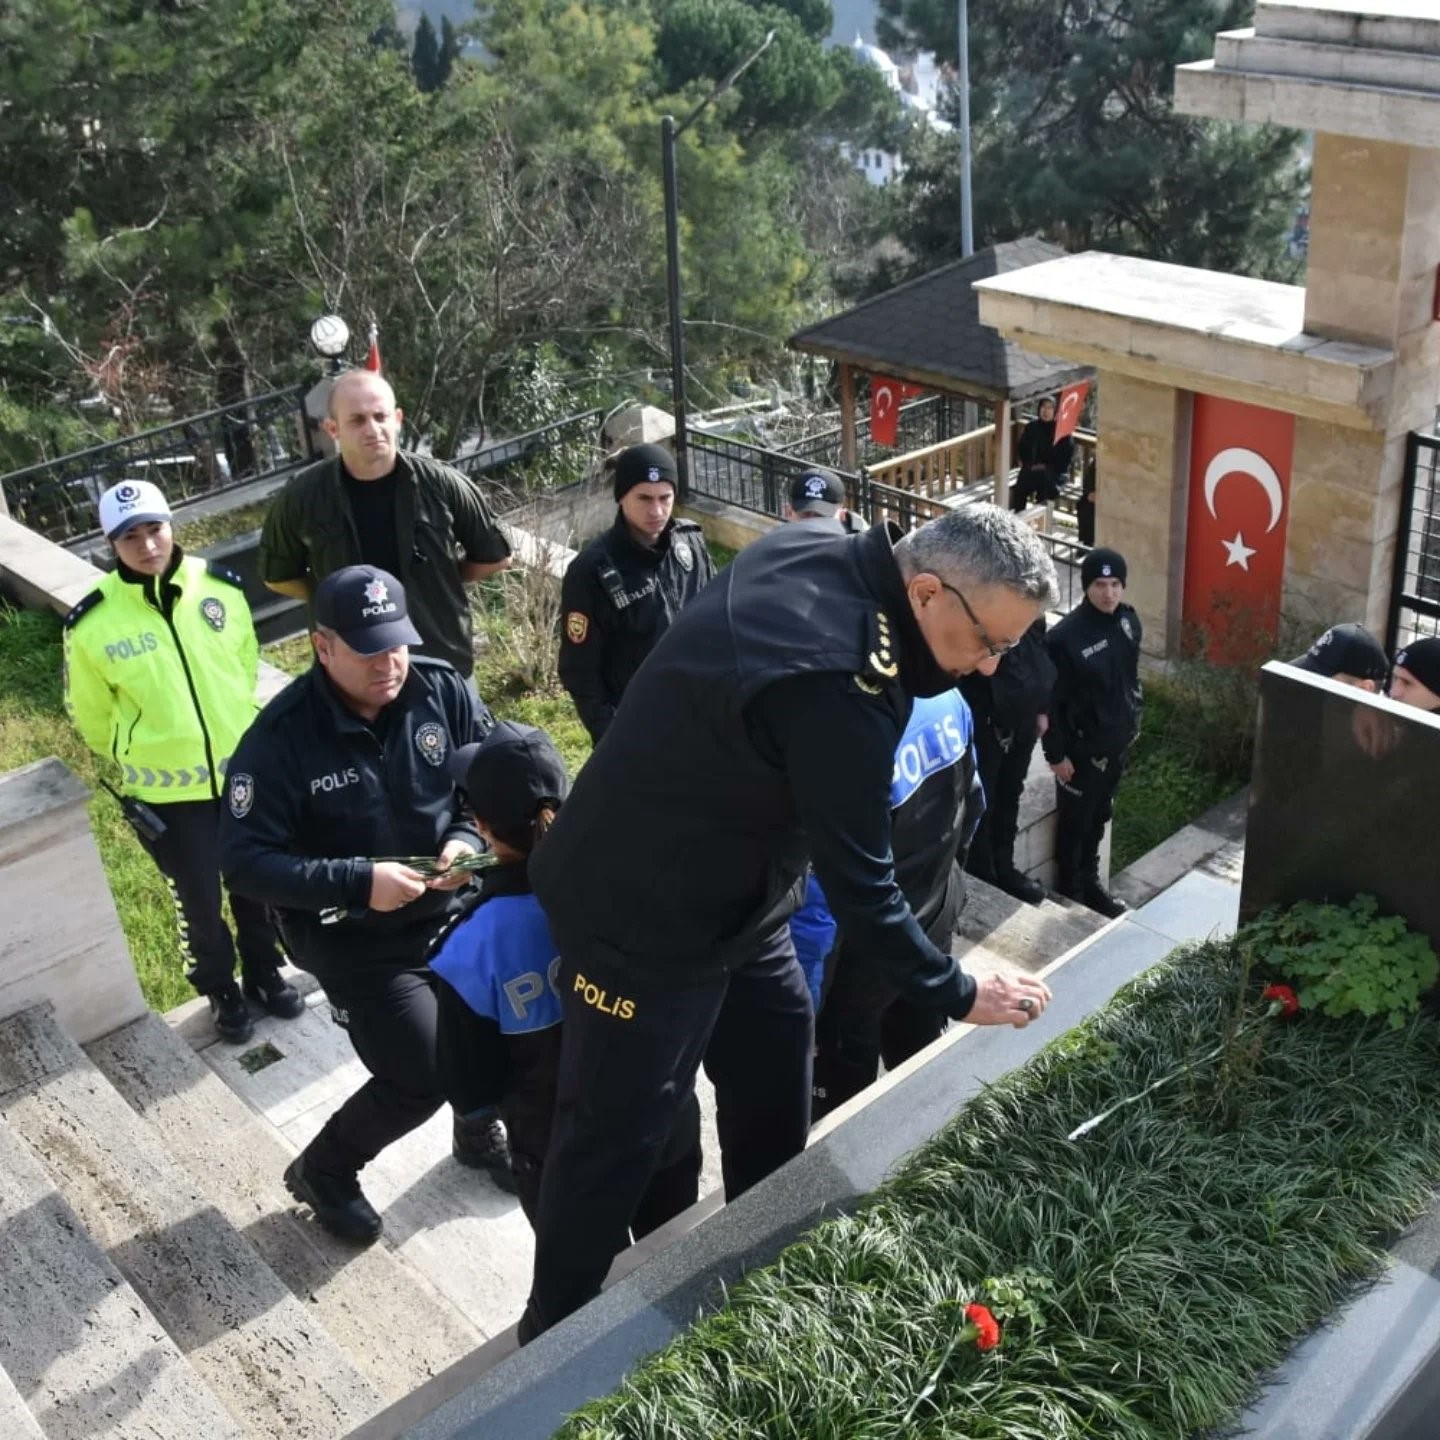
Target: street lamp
[(669, 131), (329, 336)]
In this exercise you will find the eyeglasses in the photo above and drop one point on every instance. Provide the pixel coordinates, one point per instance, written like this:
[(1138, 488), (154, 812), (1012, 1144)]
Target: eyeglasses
[(994, 650)]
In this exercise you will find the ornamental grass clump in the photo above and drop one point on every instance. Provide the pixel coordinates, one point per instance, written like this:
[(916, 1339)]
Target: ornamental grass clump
[(1141, 1280)]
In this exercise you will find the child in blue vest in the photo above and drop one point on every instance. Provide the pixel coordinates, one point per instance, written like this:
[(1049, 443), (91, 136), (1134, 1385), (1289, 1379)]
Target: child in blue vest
[(498, 1033)]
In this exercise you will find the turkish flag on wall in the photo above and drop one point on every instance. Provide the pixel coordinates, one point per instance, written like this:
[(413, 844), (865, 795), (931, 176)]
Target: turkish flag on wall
[(1240, 457), (1070, 408), (884, 409)]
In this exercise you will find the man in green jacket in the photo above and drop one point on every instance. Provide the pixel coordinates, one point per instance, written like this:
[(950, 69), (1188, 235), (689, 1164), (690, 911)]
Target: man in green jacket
[(160, 667), (375, 504)]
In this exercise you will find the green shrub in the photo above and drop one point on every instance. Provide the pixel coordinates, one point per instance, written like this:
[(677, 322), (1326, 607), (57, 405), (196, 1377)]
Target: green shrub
[(1347, 959)]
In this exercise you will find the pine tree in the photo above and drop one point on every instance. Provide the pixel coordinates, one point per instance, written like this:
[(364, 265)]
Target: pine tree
[(425, 57), (450, 48)]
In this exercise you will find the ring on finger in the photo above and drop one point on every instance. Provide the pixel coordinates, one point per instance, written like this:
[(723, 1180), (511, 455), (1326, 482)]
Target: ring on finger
[(1027, 1005)]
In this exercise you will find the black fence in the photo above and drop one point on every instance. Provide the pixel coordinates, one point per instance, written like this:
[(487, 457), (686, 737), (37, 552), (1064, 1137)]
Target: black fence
[(1415, 590), (516, 469), (200, 455)]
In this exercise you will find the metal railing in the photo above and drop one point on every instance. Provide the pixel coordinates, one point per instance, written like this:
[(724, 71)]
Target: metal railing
[(519, 467), (921, 422), (1415, 588), (199, 455)]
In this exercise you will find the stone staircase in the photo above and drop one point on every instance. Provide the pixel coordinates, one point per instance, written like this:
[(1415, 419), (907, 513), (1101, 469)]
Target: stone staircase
[(996, 930), (155, 1279)]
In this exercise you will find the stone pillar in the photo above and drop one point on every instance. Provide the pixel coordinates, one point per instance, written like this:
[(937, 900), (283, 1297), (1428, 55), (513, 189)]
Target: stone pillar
[(61, 939), (1142, 440)]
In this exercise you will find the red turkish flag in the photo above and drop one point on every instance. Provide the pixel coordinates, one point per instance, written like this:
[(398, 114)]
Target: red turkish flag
[(909, 391), (372, 358), (1240, 459), (884, 409), (1070, 408)]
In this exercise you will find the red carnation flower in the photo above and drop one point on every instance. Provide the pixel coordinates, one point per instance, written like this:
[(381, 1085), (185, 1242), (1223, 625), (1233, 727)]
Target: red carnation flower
[(1284, 997), (987, 1327)]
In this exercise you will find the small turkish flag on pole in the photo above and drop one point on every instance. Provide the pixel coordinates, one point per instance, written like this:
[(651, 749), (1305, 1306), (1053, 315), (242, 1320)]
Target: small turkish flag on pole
[(372, 359), (884, 410), (1070, 408)]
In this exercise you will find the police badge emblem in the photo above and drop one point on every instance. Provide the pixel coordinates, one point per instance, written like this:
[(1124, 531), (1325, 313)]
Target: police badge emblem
[(1127, 627), (686, 556), (577, 627), (242, 795), (214, 612), (430, 742)]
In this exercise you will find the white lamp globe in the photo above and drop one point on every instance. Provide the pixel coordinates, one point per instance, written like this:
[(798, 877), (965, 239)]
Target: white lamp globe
[(330, 335)]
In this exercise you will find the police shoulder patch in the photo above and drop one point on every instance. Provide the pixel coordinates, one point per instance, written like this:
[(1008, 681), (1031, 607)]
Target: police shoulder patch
[(430, 741), (577, 627), (225, 573), (213, 612), (240, 793), (686, 556), (83, 607)]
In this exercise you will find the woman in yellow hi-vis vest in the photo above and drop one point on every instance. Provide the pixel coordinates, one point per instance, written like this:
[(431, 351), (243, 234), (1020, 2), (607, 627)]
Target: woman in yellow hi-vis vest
[(160, 666)]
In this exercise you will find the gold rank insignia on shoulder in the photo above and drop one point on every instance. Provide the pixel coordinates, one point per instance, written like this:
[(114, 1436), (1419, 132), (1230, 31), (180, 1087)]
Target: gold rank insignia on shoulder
[(882, 658), (868, 686)]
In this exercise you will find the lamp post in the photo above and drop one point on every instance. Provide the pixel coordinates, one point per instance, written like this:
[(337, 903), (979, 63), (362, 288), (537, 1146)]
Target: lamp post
[(669, 133), (967, 224)]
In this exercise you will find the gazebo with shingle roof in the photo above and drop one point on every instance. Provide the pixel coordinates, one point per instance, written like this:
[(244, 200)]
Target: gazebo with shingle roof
[(928, 331)]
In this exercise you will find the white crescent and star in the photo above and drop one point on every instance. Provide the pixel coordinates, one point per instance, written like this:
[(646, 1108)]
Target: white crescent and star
[(884, 399), (1239, 461), (1068, 403)]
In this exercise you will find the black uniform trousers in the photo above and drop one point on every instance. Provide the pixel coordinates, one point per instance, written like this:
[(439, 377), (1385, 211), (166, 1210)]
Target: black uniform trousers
[(390, 1016), (188, 856), (1004, 761), (1038, 482), (630, 1051), (864, 1019), (1084, 806)]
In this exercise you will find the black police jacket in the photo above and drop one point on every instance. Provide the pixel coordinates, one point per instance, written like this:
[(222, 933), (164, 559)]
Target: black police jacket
[(618, 599), (1097, 702), (314, 795), (761, 733), (1019, 690)]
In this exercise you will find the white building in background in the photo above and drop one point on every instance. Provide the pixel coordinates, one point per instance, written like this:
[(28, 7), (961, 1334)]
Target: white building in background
[(920, 84)]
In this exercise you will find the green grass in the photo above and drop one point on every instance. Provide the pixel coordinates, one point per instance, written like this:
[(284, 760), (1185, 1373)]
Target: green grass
[(1171, 779), (206, 530), (1166, 1262), (33, 725)]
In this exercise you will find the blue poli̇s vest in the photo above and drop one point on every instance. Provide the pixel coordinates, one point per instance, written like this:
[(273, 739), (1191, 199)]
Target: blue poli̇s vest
[(501, 961)]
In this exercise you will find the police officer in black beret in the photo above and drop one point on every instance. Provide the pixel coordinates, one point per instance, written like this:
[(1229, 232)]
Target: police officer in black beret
[(625, 587), (759, 736), (1095, 712), (340, 779)]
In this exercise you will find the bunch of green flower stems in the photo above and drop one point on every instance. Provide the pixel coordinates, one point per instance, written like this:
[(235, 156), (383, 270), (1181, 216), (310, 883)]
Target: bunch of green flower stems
[(1145, 1277)]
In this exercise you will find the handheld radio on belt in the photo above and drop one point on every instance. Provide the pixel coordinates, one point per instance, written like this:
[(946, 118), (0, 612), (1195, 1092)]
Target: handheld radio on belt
[(142, 819)]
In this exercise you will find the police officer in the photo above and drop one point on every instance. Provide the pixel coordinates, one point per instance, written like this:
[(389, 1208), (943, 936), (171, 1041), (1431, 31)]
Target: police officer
[(761, 734), (160, 668), (1010, 716), (623, 590), (1095, 714), (820, 495), (376, 504), (1350, 654), (341, 779), (1416, 678), (936, 801)]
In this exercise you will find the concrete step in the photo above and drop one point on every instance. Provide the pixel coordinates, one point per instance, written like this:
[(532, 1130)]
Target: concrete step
[(83, 1358), (267, 1358), (16, 1421), (996, 928), (393, 1324)]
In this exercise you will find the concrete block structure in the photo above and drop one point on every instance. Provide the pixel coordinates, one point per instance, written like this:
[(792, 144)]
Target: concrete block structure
[(1188, 355)]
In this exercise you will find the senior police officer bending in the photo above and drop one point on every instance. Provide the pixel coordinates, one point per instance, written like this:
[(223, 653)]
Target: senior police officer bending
[(623, 590), (344, 768), (760, 733)]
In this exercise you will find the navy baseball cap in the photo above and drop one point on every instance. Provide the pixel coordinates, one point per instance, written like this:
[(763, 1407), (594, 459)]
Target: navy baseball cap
[(506, 775), (1346, 650), (365, 606), (817, 492)]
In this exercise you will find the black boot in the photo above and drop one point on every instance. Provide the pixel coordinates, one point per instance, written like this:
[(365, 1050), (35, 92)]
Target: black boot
[(272, 990), (1015, 882), (338, 1202), (480, 1144), (230, 1014), (1100, 900)]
